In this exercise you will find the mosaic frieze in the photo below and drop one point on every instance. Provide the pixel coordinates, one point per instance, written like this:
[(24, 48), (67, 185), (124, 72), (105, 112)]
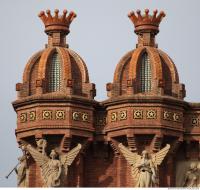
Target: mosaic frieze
[(177, 117), (28, 116), (85, 117), (75, 116), (195, 121), (113, 116), (23, 117), (60, 114), (151, 114), (32, 115), (80, 116), (167, 115), (138, 114), (172, 116), (53, 115), (123, 115), (47, 114)]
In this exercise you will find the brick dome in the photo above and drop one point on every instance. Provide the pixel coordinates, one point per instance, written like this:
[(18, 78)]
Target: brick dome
[(146, 69), (56, 69)]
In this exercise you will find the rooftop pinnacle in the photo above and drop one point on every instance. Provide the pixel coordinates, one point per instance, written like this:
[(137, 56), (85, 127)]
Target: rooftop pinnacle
[(57, 22), (146, 22)]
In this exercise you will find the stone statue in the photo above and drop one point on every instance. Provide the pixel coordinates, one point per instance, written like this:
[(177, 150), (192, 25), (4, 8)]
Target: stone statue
[(21, 172), (144, 167), (41, 145), (198, 170), (191, 176), (52, 167)]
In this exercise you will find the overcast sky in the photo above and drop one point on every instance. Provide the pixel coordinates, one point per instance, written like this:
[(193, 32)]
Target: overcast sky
[(101, 34)]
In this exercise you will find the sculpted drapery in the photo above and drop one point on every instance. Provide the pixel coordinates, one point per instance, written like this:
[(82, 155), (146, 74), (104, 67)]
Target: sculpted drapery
[(144, 167), (51, 168), (21, 172)]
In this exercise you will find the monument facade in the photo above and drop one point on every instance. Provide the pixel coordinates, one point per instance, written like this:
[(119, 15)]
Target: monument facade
[(143, 135)]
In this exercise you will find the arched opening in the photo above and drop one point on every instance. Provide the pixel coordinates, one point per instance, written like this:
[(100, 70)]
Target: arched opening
[(145, 75), (54, 74)]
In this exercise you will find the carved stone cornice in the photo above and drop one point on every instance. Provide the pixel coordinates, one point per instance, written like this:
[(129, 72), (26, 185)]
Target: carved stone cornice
[(53, 97), (145, 99)]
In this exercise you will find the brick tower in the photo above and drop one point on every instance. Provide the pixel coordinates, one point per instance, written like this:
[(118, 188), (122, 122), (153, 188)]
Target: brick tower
[(145, 110), (55, 101)]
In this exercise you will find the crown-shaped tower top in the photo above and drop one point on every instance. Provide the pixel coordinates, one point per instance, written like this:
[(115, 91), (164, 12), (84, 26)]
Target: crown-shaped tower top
[(57, 26), (146, 22), (57, 23)]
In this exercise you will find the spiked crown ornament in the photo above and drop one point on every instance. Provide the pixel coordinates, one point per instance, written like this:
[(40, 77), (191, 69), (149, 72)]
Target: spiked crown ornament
[(146, 22), (57, 23)]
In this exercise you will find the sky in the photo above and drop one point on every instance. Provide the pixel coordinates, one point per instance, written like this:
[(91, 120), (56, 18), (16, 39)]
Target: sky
[(101, 34)]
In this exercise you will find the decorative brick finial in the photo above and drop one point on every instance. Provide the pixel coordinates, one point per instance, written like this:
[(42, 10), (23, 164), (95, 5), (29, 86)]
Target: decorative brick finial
[(146, 22), (57, 23)]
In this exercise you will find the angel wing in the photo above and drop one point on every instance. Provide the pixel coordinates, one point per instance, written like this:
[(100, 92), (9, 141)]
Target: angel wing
[(41, 160), (158, 157), (68, 158), (132, 158)]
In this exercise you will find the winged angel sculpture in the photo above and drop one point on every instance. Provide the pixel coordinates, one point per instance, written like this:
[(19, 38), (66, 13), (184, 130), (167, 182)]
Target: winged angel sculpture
[(144, 167), (52, 168)]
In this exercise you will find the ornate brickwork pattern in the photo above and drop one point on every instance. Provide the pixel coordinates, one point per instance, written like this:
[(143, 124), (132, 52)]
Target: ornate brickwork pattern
[(195, 121), (81, 116), (23, 117), (32, 115), (172, 116), (113, 116), (123, 115), (177, 117), (60, 114), (151, 114), (76, 116), (47, 114), (138, 114), (85, 117), (167, 115)]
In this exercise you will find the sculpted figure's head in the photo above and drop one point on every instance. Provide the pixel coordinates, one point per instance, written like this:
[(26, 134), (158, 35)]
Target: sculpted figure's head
[(193, 166), (38, 142), (145, 154), (41, 142), (53, 154)]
